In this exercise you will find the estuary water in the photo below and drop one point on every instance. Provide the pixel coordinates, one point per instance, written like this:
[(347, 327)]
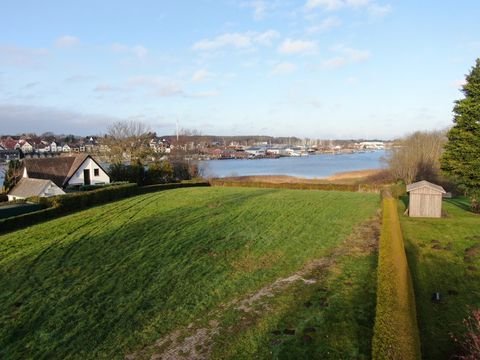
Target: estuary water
[(312, 166), (2, 175)]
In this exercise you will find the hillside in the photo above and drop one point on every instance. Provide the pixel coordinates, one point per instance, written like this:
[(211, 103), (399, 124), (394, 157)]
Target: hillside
[(214, 264)]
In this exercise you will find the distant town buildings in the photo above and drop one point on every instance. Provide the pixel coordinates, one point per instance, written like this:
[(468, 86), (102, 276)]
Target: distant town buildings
[(193, 147)]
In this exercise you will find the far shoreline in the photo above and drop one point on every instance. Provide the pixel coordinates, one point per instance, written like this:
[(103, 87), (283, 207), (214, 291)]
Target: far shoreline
[(343, 176)]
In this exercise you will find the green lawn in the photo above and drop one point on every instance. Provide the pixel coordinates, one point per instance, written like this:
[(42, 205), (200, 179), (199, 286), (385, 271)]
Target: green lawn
[(111, 280), (444, 256)]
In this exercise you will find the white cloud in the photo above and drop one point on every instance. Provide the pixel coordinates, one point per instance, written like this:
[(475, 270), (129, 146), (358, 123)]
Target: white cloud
[(30, 118), (346, 56), (266, 38), (326, 24), (290, 46), (237, 40), (458, 84), (21, 57), (67, 41), (139, 51), (373, 8), (204, 94), (200, 75), (283, 68), (105, 88), (259, 8), (170, 89), (234, 40), (378, 11), (157, 85), (326, 4)]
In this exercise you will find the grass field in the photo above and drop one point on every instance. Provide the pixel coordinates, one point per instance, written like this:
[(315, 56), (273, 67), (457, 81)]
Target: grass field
[(223, 272), (444, 256)]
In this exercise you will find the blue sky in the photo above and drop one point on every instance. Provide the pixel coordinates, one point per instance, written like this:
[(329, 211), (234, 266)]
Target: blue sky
[(307, 68)]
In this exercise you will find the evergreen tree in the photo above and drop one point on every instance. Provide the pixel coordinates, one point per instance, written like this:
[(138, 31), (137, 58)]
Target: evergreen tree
[(11, 174), (461, 158)]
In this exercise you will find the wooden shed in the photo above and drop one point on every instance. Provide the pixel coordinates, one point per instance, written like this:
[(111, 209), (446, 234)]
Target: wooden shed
[(425, 199)]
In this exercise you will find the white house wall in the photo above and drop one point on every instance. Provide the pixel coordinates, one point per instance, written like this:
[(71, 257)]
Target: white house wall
[(77, 178)]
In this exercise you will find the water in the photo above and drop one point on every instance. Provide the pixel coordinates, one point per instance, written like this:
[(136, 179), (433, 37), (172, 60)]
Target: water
[(2, 175), (313, 166)]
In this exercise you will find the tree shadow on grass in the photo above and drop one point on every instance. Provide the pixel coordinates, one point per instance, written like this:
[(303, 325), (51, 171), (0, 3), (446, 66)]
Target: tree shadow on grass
[(460, 202), (435, 268), (125, 284)]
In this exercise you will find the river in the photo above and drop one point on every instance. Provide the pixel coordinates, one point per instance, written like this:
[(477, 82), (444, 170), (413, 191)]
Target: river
[(2, 175), (312, 166)]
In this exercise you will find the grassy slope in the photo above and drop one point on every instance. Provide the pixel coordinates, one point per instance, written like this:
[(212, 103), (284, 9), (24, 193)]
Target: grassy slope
[(436, 249), (106, 281)]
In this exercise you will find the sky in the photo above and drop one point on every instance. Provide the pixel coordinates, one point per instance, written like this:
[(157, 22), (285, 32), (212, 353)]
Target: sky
[(328, 69)]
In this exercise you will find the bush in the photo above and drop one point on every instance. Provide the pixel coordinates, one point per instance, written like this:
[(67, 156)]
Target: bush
[(396, 333), (397, 190), (299, 186), (134, 173), (159, 172), (471, 341)]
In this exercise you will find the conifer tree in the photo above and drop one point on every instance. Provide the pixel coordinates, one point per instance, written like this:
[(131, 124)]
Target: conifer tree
[(461, 158)]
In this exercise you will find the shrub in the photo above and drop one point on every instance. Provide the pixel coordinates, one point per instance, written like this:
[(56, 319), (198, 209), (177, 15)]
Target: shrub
[(396, 333), (471, 341), (397, 190), (159, 172), (299, 186)]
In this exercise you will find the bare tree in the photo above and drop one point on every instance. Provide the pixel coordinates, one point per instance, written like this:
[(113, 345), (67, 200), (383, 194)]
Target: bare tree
[(417, 156), (128, 141)]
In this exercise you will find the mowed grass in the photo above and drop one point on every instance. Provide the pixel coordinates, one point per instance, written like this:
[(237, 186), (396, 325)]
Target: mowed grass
[(444, 256), (111, 280)]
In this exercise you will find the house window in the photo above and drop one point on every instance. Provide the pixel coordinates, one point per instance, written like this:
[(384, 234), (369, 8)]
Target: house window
[(96, 172)]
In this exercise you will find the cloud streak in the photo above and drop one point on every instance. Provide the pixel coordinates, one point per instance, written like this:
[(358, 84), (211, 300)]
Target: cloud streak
[(27, 118), (292, 46), (138, 51), (67, 41), (284, 68), (21, 57), (346, 56), (237, 40)]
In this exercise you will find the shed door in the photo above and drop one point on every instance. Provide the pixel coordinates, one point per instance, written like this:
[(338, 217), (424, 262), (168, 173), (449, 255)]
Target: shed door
[(86, 177)]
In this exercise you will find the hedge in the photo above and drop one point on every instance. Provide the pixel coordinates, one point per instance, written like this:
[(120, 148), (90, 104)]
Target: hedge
[(65, 204), (298, 186), (396, 334)]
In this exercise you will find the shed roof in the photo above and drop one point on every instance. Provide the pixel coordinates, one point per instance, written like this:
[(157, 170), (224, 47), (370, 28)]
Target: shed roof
[(27, 187), (424, 183)]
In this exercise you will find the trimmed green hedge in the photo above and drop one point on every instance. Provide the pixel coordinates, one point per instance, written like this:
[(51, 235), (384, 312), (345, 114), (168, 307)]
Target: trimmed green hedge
[(396, 334), (65, 204), (298, 186)]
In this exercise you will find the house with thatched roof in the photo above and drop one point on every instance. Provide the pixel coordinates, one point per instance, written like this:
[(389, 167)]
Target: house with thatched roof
[(27, 187), (66, 171)]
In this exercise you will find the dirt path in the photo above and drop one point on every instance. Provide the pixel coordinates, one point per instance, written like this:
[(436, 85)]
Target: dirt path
[(197, 339)]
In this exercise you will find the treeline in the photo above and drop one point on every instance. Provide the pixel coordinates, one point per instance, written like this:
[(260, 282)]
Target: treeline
[(450, 158), (417, 157), (158, 172)]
